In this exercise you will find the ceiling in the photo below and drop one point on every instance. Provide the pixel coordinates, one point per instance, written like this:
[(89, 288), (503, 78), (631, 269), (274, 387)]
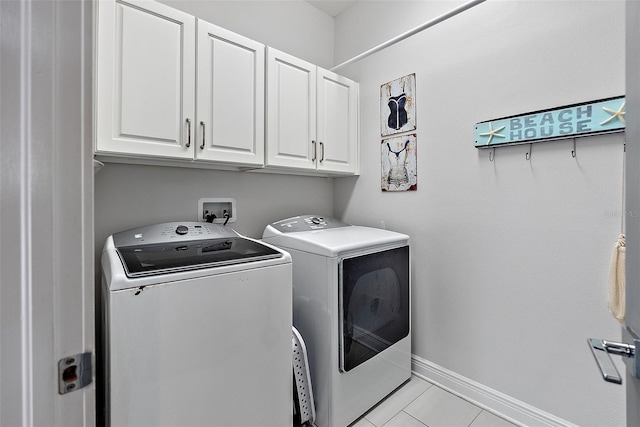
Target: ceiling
[(332, 7)]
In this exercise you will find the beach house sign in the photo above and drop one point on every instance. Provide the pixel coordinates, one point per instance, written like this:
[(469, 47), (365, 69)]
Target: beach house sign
[(602, 116)]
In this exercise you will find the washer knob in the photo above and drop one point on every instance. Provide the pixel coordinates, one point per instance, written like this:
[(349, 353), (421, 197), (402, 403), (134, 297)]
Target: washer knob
[(182, 230), (316, 220)]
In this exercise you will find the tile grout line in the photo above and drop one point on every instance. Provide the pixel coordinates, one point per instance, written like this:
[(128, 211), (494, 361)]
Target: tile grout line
[(430, 386), (476, 417), (414, 417), (404, 407)]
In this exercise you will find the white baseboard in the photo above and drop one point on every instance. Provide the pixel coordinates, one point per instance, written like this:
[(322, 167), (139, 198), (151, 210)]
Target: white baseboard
[(480, 395)]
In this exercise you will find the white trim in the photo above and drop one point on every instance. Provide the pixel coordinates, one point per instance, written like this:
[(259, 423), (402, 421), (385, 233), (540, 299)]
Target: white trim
[(46, 307), (491, 400)]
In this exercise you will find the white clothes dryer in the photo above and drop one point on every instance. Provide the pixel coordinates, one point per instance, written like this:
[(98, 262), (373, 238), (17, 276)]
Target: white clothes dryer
[(351, 304), (195, 329)]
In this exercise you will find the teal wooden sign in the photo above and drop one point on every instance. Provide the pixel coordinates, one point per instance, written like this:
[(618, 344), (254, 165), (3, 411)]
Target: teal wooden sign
[(603, 116)]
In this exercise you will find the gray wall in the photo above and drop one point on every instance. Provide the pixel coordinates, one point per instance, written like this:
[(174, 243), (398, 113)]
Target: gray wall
[(128, 196), (510, 257), (292, 26)]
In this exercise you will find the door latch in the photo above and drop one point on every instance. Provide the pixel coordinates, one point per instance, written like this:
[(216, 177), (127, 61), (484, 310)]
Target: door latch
[(602, 349), (74, 372)]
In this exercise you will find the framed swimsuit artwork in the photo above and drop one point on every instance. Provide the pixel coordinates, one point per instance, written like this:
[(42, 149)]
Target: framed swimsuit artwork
[(399, 169), (397, 105), (398, 147)]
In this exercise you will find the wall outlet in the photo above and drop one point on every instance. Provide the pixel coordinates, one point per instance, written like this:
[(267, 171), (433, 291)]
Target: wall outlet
[(217, 209)]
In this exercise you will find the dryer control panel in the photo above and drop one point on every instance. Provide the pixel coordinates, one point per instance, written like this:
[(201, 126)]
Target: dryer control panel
[(307, 223)]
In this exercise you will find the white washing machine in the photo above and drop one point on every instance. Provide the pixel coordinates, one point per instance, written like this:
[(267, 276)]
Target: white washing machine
[(196, 329), (351, 304)]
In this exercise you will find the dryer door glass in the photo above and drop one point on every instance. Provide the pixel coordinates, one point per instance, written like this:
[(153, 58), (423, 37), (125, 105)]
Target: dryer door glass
[(374, 304)]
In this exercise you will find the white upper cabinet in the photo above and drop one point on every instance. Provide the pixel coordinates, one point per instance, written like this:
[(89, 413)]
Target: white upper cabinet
[(174, 89), (312, 117), (145, 83), (337, 126), (230, 97), (291, 111), (152, 103)]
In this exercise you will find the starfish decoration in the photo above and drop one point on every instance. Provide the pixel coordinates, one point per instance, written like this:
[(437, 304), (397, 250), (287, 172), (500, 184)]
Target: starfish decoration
[(615, 114), (492, 133)]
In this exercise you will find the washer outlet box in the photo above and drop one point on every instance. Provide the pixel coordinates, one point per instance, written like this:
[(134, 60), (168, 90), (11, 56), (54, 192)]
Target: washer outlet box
[(217, 210)]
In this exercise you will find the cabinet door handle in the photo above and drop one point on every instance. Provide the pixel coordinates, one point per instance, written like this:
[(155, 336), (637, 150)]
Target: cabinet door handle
[(322, 146), (202, 146), (315, 151), (188, 132)]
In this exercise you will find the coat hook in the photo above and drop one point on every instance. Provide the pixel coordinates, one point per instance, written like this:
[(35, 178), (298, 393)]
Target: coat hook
[(528, 155), (492, 154), (573, 152)]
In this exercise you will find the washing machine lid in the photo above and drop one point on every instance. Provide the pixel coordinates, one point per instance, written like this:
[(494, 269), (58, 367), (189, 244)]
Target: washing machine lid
[(328, 236), (176, 247)]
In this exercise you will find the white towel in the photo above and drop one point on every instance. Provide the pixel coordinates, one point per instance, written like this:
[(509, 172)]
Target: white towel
[(617, 280)]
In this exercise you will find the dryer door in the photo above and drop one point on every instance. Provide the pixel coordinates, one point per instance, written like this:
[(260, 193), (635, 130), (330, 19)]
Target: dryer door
[(374, 304)]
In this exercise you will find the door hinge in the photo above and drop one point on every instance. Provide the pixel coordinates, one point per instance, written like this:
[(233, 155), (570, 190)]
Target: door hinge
[(74, 372)]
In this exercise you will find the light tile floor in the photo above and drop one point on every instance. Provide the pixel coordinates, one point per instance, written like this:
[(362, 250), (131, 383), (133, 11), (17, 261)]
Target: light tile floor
[(418, 403)]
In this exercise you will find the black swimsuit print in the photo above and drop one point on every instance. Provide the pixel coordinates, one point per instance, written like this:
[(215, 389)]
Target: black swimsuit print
[(398, 116)]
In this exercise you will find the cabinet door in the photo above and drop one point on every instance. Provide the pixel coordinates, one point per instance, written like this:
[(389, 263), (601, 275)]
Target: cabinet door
[(145, 79), (230, 106), (291, 111), (337, 123)]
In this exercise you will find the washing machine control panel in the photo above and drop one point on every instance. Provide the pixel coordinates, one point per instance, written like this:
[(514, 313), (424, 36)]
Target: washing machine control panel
[(307, 223), (171, 232), (182, 230)]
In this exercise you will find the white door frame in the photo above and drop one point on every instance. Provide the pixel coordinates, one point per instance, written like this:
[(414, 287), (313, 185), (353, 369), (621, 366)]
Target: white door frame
[(46, 208)]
